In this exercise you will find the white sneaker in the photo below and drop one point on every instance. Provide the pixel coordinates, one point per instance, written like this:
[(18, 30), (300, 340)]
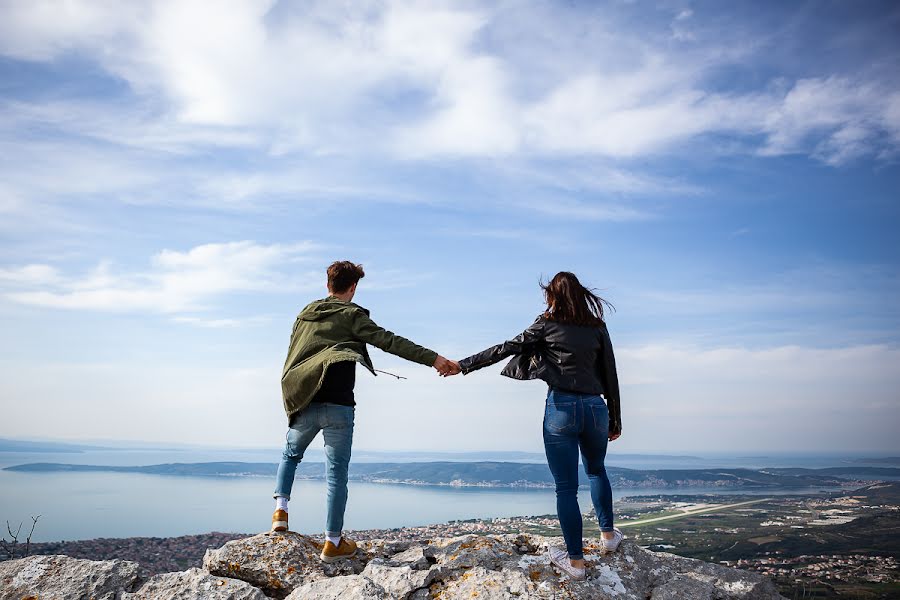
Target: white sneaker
[(560, 558), (613, 544)]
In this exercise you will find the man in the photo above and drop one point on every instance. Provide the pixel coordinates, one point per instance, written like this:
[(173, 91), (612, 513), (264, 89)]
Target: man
[(328, 339)]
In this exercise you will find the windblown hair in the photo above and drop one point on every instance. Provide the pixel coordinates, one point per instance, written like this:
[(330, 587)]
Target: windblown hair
[(570, 302), (342, 274)]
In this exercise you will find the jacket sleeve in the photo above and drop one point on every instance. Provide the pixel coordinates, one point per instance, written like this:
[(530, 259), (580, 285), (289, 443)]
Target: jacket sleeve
[(606, 365), (365, 330), (522, 342)]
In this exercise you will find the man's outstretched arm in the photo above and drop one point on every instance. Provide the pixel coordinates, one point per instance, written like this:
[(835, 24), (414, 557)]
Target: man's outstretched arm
[(366, 330)]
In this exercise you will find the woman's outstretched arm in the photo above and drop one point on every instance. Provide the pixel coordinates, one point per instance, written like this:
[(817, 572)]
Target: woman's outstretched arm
[(525, 340)]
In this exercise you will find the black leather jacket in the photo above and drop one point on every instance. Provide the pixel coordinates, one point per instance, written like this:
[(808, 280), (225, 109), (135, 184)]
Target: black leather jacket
[(570, 357)]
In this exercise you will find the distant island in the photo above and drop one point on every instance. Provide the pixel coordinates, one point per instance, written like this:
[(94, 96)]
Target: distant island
[(7, 445), (501, 474)]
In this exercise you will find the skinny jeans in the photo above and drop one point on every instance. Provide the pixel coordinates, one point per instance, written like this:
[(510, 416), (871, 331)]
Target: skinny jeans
[(576, 422), (335, 421)]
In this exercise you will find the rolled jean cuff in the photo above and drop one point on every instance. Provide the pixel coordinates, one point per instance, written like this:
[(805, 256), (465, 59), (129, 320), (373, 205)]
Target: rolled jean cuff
[(333, 534), (281, 495), (579, 556), (607, 529)]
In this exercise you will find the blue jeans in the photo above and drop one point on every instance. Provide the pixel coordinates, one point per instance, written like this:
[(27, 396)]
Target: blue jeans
[(336, 424), (574, 421)]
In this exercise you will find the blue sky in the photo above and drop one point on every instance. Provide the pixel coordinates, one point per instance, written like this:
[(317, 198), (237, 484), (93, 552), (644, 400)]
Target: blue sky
[(175, 179)]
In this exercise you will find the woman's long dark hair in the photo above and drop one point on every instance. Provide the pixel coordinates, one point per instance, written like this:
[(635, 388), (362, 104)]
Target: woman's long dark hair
[(570, 302)]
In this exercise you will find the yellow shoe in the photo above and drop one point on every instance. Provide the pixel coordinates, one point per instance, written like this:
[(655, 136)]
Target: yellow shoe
[(331, 553), (280, 520)]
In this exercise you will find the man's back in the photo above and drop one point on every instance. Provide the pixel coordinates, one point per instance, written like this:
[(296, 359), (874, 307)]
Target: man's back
[(323, 334), (332, 330)]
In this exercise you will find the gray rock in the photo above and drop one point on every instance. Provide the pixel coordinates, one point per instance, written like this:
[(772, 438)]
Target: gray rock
[(60, 577), (642, 572), (474, 550), (486, 584), (416, 558), (287, 565), (494, 567), (684, 588), (195, 584), (340, 588), (399, 581), (277, 563)]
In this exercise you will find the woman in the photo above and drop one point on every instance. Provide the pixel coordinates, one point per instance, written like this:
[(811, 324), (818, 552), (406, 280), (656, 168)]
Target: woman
[(568, 346)]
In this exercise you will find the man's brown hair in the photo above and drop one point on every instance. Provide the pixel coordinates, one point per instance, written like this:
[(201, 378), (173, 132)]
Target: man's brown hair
[(342, 274)]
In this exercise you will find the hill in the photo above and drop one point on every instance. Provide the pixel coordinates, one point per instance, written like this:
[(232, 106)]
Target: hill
[(498, 474)]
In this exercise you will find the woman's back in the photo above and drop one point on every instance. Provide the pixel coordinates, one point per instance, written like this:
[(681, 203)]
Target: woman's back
[(575, 351)]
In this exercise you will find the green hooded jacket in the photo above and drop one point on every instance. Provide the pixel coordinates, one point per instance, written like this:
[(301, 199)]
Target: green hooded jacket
[(329, 331)]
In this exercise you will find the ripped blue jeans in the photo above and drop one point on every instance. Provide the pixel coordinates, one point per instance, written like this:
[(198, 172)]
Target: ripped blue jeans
[(335, 421)]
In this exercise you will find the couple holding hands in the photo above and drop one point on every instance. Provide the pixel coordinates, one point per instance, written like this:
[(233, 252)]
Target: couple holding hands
[(568, 347)]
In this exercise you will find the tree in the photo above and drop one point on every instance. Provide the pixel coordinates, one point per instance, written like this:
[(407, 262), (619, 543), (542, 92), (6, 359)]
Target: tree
[(10, 546)]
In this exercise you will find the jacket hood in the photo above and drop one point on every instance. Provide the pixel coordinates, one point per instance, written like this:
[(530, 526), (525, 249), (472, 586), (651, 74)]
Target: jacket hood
[(321, 309)]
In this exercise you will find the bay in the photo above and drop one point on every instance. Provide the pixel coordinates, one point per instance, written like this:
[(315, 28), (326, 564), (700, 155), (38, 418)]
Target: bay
[(91, 505)]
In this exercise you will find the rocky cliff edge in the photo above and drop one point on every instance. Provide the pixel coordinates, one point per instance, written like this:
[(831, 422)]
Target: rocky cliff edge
[(287, 566)]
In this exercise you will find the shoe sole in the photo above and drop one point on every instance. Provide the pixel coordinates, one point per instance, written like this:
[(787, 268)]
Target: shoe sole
[(331, 559), (280, 526)]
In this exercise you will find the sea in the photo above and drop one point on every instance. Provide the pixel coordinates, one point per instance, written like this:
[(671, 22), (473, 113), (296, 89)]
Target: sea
[(77, 506)]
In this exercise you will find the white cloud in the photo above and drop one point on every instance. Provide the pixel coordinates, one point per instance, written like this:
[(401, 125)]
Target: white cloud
[(424, 80), (44, 29), (139, 125), (176, 282), (837, 119), (30, 275)]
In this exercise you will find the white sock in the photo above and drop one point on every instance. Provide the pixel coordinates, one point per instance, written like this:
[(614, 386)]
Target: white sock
[(334, 540), (281, 503)]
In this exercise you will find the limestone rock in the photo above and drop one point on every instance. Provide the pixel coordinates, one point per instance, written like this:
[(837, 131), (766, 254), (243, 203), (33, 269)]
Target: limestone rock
[(495, 567), (277, 563), (485, 584), (59, 577), (487, 567), (194, 584), (474, 551), (416, 558), (399, 581), (340, 588), (684, 588)]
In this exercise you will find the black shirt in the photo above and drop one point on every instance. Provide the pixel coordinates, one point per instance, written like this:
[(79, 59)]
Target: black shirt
[(337, 386)]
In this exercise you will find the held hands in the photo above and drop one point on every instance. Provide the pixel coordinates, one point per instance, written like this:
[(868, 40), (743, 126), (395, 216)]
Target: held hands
[(445, 367)]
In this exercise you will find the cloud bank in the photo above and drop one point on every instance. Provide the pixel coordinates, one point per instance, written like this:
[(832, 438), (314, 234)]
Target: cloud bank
[(176, 282), (429, 80)]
